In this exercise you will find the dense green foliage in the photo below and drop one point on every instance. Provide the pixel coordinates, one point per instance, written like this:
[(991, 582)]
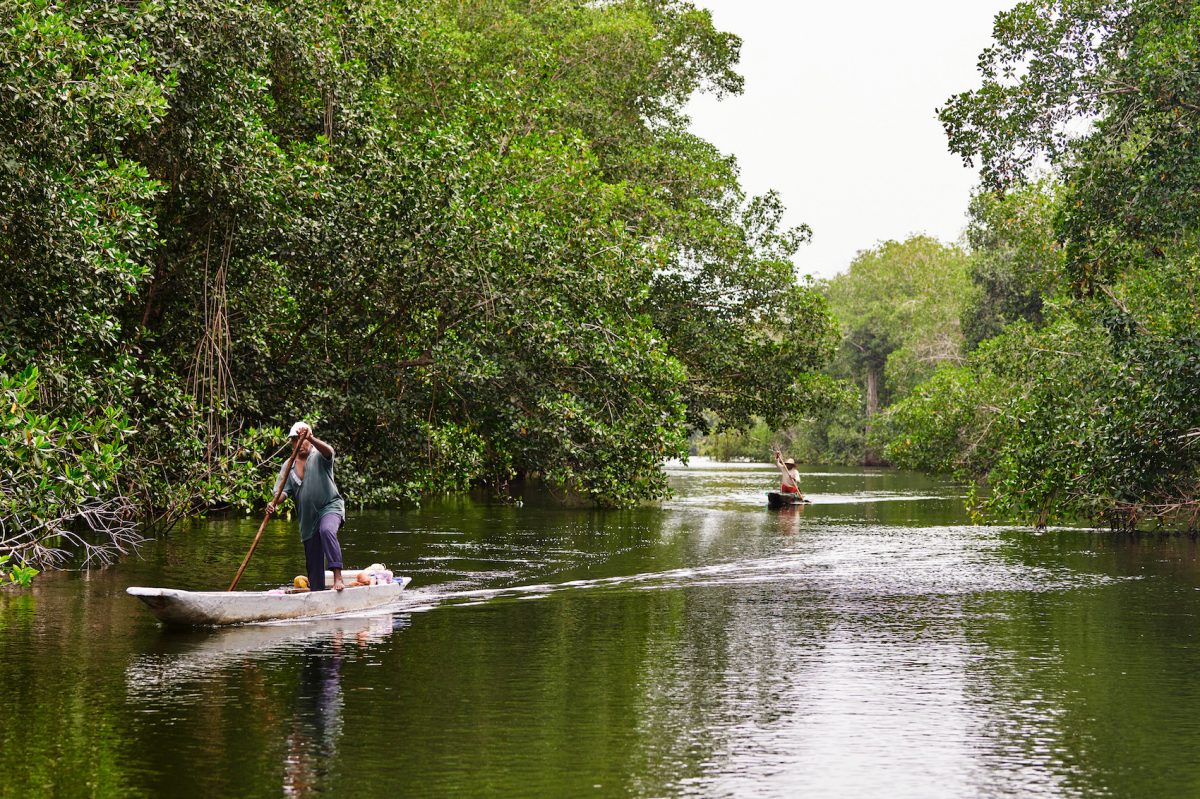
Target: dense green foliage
[(467, 241), (1015, 260), (58, 476), (1090, 407), (753, 442), (899, 306)]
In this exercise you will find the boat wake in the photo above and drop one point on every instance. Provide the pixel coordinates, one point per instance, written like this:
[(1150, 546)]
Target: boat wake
[(953, 570)]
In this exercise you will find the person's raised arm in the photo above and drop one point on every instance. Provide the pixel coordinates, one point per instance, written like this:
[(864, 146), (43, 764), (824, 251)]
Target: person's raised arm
[(321, 447), (283, 486)]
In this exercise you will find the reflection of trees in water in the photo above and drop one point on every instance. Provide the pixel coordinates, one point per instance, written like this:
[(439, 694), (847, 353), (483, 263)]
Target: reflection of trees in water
[(1092, 690)]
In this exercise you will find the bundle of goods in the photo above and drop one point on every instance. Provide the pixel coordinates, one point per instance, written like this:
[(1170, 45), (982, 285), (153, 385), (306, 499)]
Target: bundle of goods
[(375, 574)]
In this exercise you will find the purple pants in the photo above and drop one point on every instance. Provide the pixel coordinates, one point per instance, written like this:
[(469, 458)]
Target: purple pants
[(322, 550)]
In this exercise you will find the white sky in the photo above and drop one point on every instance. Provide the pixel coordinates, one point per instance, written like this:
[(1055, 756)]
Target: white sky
[(839, 115)]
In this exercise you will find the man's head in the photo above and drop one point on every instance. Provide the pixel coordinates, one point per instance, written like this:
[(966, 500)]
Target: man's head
[(300, 431), (791, 464)]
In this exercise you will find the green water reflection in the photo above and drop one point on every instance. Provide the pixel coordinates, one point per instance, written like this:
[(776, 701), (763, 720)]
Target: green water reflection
[(870, 644)]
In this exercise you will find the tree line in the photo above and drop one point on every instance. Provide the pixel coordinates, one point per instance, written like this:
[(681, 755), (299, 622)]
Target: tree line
[(1053, 359), (467, 241), (1086, 404)]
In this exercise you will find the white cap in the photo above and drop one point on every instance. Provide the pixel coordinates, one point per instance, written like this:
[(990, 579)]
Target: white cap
[(295, 431)]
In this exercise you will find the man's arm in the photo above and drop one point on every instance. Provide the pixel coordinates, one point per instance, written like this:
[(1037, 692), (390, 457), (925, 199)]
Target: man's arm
[(321, 447), (284, 484)]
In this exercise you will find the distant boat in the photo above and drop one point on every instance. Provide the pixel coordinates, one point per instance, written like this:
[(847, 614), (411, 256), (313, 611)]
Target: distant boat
[(214, 608), (777, 500)]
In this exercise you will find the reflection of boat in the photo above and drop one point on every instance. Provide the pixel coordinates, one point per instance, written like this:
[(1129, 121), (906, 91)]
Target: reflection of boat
[(173, 606), (186, 657), (778, 500)]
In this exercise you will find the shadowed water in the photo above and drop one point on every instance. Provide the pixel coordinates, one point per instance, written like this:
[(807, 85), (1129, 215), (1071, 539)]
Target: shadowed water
[(870, 644)]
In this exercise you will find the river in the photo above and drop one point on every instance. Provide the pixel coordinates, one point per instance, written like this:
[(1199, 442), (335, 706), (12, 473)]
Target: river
[(873, 643)]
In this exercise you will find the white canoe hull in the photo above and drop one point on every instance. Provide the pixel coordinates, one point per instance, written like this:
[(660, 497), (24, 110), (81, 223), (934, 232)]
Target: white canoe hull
[(205, 608)]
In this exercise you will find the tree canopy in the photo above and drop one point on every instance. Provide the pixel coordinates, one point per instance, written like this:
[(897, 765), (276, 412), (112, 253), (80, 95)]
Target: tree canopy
[(898, 308), (468, 241), (1088, 407)]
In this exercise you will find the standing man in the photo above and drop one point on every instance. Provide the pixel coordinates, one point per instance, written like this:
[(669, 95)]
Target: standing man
[(791, 476), (318, 505)]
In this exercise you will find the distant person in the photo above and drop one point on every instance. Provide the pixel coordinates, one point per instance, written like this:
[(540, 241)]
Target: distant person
[(791, 476), (319, 506)]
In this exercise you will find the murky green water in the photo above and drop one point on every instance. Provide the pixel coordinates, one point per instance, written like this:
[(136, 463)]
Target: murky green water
[(870, 644)]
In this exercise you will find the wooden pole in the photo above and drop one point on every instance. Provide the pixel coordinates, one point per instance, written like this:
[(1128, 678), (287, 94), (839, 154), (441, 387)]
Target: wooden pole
[(287, 472)]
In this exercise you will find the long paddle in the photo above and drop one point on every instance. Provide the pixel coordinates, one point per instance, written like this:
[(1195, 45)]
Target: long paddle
[(287, 471)]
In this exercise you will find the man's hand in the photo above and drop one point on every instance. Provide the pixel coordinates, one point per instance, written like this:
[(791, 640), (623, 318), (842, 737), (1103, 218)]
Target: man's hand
[(270, 507), (301, 436), (303, 431)]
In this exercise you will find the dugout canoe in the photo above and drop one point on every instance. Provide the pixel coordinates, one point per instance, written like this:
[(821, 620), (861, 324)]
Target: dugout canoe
[(776, 499), (215, 608)]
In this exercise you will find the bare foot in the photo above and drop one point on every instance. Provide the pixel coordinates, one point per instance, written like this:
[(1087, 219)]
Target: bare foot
[(338, 585)]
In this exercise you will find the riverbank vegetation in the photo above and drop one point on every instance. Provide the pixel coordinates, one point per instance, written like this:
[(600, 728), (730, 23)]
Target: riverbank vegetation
[(899, 308), (1087, 403), (467, 241), (1070, 387), (471, 242)]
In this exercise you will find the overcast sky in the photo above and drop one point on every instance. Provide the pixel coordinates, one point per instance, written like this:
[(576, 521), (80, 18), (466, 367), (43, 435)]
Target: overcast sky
[(839, 115)]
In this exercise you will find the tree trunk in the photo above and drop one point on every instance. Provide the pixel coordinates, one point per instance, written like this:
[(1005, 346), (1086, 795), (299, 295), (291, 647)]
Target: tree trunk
[(870, 458), (872, 393)]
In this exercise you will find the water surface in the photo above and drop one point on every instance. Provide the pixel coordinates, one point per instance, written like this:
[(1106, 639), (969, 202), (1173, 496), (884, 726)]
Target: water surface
[(870, 644)]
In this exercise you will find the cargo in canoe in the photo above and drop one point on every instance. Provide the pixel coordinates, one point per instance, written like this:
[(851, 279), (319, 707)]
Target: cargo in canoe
[(208, 608), (776, 499)]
